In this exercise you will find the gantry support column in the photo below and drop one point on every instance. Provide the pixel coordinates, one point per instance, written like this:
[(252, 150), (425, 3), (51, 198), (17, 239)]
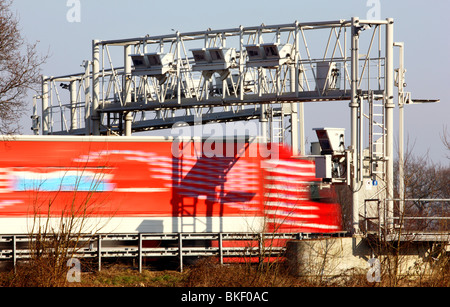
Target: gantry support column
[(354, 106), (95, 88), (401, 106), (45, 107), (128, 116), (73, 105), (87, 97), (389, 109), (298, 108)]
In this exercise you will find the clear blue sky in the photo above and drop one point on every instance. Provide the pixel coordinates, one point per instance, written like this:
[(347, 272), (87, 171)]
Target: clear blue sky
[(422, 25)]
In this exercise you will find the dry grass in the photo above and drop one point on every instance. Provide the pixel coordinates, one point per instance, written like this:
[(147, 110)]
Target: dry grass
[(120, 276), (209, 273), (27, 275), (205, 273)]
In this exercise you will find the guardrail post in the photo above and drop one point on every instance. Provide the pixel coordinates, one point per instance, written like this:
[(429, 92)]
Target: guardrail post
[(140, 252), (99, 252), (180, 250), (261, 248), (14, 242), (221, 248)]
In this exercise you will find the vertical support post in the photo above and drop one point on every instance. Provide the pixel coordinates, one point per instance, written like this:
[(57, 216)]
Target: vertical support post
[(96, 87), (87, 97), (264, 117), (45, 107), (241, 63), (35, 117), (261, 247), (179, 62), (294, 114), (73, 105), (161, 46), (389, 107), (224, 82), (295, 129), (221, 247), (260, 73), (297, 58), (401, 105), (361, 139), (180, 250), (299, 88), (301, 116), (265, 108), (14, 242), (140, 252), (127, 89), (354, 123), (99, 252)]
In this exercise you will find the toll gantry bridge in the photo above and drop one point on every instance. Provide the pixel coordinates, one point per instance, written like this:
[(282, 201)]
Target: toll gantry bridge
[(264, 74)]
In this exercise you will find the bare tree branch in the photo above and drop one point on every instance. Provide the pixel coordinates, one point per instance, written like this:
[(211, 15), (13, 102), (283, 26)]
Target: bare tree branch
[(445, 137), (19, 70)]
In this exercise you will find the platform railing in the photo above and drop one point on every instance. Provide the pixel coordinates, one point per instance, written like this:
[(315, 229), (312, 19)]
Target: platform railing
[(431, 223)]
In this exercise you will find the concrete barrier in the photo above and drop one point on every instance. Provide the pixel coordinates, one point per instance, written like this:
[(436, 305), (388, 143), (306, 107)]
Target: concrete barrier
[(328, 256), (338, 257)]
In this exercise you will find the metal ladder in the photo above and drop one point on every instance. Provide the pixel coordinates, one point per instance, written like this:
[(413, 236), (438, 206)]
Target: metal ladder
[(377, 133), (276, 125), (188, 212)]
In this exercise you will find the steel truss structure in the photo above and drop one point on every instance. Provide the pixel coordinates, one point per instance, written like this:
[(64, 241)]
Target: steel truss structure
[(264, 73)]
